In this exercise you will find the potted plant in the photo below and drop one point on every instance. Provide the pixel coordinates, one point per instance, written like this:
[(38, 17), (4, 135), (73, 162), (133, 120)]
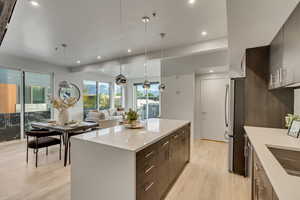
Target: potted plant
[(131, 116), (290, 118)]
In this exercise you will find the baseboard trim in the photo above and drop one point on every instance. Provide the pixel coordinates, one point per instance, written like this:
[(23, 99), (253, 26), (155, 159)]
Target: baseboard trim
[(209, 140)]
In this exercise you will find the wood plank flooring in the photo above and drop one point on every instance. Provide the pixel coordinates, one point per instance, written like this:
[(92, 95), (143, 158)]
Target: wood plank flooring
[(204, 178)]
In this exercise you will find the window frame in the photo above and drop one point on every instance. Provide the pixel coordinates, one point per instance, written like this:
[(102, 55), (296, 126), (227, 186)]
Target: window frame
[(147, 97), (109, 94)]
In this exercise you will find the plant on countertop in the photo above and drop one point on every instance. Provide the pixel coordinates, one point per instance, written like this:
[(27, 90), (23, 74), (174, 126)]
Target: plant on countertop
[(289, 119), (131, 116)]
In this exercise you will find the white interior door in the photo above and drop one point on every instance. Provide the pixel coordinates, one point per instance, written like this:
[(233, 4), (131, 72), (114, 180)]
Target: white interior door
[(212, 108)]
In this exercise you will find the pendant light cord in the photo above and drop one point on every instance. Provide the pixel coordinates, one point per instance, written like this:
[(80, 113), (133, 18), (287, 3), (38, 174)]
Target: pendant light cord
[(121, 31), (146, 51)]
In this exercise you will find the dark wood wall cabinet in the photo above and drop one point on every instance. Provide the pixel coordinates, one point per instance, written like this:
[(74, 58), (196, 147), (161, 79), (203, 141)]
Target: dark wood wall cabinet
[(255, 104), (284, 58), (159, 165), (264, 107), (261, 186)]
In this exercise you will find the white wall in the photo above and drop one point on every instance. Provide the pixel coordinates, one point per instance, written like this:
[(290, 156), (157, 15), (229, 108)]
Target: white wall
[(178, 99), (60, 73)]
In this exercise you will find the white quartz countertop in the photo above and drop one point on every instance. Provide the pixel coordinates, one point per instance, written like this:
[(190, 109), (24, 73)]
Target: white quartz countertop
[(287, 187), (133, 139)]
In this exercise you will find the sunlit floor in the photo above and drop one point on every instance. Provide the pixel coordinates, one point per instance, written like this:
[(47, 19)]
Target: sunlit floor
[(204, 178)]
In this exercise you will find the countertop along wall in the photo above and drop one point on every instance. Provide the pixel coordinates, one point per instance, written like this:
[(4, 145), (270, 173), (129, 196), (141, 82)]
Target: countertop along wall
[(60, 73)]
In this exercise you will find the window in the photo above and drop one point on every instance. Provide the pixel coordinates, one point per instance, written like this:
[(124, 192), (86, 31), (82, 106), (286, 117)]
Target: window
[(147, 101), (104, 95), (89, 96), (118, 96), (141, 100), (153, 101), (96, 96)]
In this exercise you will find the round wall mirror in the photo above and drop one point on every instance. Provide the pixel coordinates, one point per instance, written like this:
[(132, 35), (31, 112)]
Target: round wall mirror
[(68, 92)]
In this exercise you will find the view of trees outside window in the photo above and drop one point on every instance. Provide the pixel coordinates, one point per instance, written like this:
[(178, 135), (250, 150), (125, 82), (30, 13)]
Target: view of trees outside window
[(147, 99), (118, 96), (141, 100), (89, 96), (96, 95), (104, 95)]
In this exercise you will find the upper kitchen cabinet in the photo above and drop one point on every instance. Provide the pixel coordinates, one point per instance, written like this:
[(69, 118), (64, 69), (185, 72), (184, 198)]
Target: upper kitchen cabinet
[(284, 56), (276, 59), (291, 58)]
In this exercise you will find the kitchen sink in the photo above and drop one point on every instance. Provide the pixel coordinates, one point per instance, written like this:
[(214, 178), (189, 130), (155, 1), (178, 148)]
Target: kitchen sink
[(289, 159)]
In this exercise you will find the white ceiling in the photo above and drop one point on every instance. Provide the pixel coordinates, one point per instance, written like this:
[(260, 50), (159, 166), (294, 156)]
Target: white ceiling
[(253, 23), (199, 63), (133, 70), (91, 27)]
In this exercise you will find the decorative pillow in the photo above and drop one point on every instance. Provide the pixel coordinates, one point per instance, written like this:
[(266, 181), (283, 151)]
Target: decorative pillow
[(112, 112), (105, 113), (93, 116)]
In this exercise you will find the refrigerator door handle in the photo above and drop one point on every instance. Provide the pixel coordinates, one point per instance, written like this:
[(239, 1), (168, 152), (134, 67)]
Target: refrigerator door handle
[(226, 105)]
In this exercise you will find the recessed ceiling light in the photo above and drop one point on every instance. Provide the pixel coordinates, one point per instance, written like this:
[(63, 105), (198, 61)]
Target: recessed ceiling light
[(34, 3), (211, 71), (78, 62), (129, 50), (99, 57), (204, 33), (192, 1)]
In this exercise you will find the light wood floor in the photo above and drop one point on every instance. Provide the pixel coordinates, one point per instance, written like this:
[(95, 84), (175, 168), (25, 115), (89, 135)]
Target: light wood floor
[(205, 178)]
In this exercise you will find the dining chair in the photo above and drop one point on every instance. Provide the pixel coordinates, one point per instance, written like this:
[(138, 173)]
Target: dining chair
[(43, 138)]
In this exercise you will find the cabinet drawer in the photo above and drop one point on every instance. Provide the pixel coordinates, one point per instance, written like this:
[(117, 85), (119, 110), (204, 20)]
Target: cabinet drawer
[(146, 154), (144, 171), (147, 191)]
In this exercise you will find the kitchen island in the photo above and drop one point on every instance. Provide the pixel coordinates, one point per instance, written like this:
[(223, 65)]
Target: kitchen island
[(129, 164)]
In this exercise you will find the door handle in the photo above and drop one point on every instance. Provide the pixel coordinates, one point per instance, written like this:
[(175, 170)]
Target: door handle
[(226, 105)]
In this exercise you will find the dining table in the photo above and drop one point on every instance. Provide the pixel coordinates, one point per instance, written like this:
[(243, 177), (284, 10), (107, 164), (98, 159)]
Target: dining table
[(66, 130)]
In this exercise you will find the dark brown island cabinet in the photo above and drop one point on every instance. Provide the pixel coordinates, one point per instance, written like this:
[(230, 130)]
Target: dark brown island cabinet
[(261, 186), (159, 165)]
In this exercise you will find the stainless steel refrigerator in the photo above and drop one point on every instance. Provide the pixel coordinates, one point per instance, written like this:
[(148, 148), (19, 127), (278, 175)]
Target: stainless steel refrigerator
[(234, 122)]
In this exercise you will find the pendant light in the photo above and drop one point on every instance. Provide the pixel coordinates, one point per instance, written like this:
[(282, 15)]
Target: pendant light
[(64, 84), (147, 83), (162, 86), (121, 79)]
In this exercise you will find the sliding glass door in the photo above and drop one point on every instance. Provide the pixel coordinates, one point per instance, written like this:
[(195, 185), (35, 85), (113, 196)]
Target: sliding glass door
[(10, 107), (37, 93), (25, 98), (147, 101)]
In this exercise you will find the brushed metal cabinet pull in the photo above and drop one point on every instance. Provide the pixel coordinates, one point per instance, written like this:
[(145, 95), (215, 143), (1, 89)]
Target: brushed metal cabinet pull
[(149, 187), (149, 169), (149, 154), (166, 143)]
